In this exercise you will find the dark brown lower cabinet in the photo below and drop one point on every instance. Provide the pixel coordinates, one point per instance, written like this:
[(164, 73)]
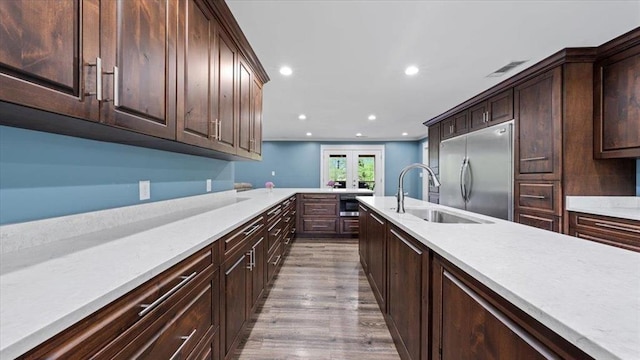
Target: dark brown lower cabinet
[(377, 257), (234, 286), (362, 236), (408, 296), (608, 230), (471, 322)]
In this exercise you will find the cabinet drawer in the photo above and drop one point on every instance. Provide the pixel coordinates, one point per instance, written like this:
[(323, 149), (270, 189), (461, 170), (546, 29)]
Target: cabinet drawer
[(328, 226), (275, 233), (612, 231), (320, 197), (540, 221), (131, 312), (274, 261), (321, 209), (542, 197), (273, 213), (175, 334), (349, 226), (235, 240)]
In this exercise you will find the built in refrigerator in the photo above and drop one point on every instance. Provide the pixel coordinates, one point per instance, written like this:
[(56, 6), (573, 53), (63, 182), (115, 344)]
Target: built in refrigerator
[(476, 171)]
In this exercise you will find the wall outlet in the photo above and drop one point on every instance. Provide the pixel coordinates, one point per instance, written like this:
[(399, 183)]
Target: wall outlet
[(273, 173), (145, 189), (208, 185)]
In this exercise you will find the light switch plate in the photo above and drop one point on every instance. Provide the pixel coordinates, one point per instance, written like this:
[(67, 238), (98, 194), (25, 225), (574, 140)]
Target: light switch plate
[(145, 189), (208, 185)]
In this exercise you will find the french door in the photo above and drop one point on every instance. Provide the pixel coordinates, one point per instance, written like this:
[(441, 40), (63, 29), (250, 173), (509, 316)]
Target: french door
[(353, 167)]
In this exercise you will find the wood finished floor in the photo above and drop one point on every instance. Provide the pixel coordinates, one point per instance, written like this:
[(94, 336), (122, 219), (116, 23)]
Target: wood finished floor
[(319, 307)]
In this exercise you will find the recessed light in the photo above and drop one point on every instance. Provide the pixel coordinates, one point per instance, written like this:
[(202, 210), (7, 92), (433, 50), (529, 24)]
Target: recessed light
[(286, 71), (302, 117), (309, 134), (358, 134), (405, 134), (411, 70), (372, 117)]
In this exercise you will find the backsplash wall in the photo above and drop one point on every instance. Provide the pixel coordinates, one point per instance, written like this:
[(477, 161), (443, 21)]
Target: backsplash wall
[(297, 165), (47, 175)]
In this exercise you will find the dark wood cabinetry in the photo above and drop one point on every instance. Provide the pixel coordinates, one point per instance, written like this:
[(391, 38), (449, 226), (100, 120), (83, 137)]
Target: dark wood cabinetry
[(470, 321), (618, 232), (617, 98), (169, 314), (434, 159), (497, 109), (138, 49), (318, 215), (408, 296), (176, 75), (362, 237), (455, 125), (377, 252), (50, 65), (235, 300)]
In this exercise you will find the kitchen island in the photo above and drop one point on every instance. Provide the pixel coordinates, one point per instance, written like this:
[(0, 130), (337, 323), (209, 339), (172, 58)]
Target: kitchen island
[(55, 272)]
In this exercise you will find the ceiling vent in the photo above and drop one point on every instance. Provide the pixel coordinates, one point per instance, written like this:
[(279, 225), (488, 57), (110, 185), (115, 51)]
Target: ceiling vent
[(505, 69)]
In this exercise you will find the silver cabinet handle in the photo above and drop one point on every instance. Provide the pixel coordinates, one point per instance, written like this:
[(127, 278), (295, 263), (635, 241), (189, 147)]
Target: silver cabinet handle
[(534, 158), (274, 225), (213, 133), (376, 219), (274, 211), (235, 265), (250, 266), (149, 307), (252, 230), (116, 80), (541, 197), (219, 129), (277, 232), (410, 245), (287, 241), (98, 92), (275, 263), (185, 340), (616, 227)]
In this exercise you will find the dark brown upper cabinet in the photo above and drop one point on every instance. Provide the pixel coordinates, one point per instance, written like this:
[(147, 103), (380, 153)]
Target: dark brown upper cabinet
[(50, 65), (497, 109), (226, 56), (538, 107), (138, 41), (455, 125), (617, 99)]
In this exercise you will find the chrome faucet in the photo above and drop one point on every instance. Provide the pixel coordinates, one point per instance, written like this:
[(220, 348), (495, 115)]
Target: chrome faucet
[(400, 195)]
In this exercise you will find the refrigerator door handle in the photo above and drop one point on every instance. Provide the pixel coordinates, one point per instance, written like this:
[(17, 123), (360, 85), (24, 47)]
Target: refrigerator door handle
[(468, 180), (463, 189)]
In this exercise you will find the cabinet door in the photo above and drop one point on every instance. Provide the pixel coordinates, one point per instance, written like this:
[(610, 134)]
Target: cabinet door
[(258, 273), (225, 57), (434, 153), (245, 142), (408, 294), (362, 237), (539, 127), (478, 116), (471, 328), (44, 59), (234, 290), (617, 105), (138, 41), (196, 122), (500, 108), (377, 247), (257, 120)]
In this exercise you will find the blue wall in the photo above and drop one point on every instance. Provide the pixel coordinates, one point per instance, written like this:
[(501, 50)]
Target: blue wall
[(45, 175), (297, 164)]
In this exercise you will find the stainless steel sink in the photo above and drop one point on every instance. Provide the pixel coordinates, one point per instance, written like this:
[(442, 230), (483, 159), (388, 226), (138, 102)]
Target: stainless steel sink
[(443, 217)]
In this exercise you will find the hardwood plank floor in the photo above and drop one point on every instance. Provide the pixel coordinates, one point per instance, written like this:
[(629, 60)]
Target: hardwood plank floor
[(319, 307)]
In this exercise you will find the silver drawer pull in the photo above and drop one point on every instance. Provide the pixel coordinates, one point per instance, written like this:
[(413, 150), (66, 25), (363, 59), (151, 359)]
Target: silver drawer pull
[(153, 305), (541, 197), (615, 227), (185, 340), (274, 211), (277, 260), (287, 241), (253, 229), (277, 232), (534, 158)]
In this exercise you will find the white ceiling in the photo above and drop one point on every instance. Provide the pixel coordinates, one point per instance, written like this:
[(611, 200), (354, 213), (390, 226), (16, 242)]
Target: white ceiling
[(348, 56)]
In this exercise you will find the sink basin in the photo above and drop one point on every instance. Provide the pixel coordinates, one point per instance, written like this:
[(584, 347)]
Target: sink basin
[(443, 217)]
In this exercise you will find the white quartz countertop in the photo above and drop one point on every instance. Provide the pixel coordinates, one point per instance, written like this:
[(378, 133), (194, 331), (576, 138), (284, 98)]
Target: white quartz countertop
[(624, 207), (72, 266), (587, 292)]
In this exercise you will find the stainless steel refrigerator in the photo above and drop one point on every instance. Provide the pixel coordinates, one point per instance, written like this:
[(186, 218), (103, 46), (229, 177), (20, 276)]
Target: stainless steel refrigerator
[(476, 171)]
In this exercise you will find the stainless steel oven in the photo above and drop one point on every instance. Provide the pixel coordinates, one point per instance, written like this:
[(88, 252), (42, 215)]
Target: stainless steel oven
[(349, 205)]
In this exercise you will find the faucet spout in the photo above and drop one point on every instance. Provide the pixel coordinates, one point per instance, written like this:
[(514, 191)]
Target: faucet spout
[(400, 196)]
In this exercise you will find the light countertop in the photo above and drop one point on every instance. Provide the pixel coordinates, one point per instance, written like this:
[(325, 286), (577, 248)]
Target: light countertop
[(55, 272), (587, 292), (624, 207)]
